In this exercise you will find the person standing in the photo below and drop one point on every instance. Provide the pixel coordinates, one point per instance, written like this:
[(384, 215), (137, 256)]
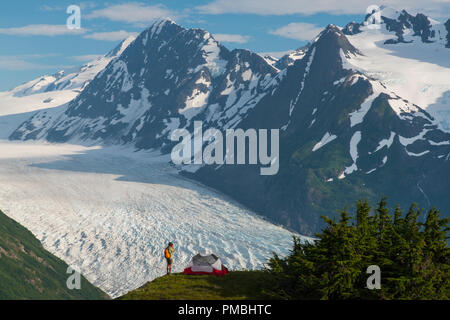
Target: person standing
[(168, 254)]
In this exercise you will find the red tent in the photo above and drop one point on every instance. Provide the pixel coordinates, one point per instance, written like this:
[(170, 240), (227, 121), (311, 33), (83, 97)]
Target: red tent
[(209, 264)]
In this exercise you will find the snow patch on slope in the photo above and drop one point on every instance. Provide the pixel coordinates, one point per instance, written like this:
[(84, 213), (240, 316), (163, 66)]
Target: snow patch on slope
[(407, 141), (357, 116), (327, 138), (354, 141), (386, 142), (302, 84)]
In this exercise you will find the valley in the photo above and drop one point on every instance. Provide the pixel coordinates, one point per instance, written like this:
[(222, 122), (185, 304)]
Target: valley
[(111, 211)]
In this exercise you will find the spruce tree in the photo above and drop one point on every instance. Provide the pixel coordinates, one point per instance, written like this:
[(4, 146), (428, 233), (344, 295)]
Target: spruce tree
[(414, 257)]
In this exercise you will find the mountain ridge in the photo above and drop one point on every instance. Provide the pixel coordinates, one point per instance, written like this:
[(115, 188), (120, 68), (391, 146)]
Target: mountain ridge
[(324, 103), (348, 117), (73, 79)]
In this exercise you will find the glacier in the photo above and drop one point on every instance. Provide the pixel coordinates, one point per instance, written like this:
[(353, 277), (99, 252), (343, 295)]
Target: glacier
[(110, 211)]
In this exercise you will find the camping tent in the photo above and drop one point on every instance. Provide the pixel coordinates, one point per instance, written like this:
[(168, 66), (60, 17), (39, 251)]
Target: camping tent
[(209, 264)]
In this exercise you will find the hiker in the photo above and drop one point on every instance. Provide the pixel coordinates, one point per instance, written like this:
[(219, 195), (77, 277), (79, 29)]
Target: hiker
[(168, 254)]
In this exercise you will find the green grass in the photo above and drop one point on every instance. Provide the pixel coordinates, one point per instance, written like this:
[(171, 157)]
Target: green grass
[(237, 285), (28, 271)]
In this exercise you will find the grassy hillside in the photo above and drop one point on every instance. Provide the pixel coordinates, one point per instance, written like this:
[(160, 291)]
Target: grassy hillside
[(237, 285), (28, 271)]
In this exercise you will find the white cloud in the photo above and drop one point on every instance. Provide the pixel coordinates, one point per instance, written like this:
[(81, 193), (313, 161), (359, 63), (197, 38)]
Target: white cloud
[(87, 5), (235, 38), (38, 55), (20, 62), (307, 7), (110, 36), (82, 5), (86, 57), (131, 12), (46, 7), (13, 63), (298, 31), (41, 30)]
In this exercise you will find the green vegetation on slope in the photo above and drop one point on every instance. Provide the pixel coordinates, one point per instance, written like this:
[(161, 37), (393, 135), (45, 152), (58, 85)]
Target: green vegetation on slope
[(237, 285), (28, 271), (413, 257)]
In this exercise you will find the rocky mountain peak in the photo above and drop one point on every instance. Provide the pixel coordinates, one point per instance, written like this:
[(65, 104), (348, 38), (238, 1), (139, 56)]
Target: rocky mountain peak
[(333, 39)]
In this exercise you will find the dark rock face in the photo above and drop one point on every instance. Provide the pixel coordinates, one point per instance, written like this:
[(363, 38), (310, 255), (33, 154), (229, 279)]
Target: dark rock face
[(352, 28), (447, 26), (397, 26), (420, 25), (422, 28)]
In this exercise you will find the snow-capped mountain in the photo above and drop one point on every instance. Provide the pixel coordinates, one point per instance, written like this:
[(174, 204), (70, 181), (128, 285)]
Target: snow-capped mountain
[(360, 115), (167, 78), (345, 135), (269, 59), (73, 79), (405, 28), (409, 54), (110, 211), (289, 59), (49, 93)]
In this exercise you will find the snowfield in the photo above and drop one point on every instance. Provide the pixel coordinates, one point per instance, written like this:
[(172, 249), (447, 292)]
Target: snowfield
[(110, 211), (16, 110), (418, 72)]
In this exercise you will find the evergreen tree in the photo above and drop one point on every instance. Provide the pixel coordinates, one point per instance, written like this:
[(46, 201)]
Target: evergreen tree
[(413, 257)]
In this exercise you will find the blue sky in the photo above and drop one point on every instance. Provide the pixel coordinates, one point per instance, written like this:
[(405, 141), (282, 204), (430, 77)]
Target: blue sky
[(34, 39)]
